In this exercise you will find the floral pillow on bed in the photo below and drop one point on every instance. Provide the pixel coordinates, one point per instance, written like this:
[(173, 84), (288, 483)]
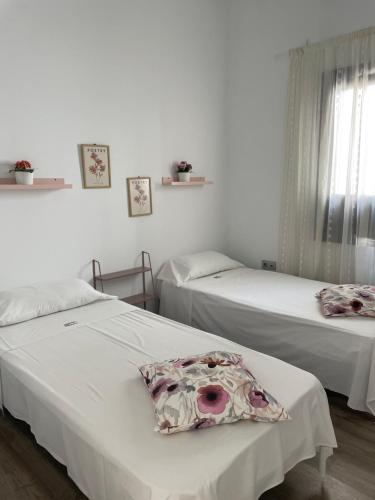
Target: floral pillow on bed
[(348, 300), (205, 390)]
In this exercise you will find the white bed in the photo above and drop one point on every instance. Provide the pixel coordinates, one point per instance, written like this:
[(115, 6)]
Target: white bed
[(73, 377), (278, 314)]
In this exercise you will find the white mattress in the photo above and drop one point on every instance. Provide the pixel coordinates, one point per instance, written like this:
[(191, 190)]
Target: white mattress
[(79, 388), (278, 314)]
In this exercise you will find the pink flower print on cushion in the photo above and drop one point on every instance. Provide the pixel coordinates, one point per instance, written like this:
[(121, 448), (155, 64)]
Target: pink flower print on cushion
[(356, 305), (212, 399), (160, 387), (184, 362), (258, 399), (335, 309)]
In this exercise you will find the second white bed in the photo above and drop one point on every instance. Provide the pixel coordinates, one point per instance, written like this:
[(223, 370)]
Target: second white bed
[(279, 315), (73, 377)]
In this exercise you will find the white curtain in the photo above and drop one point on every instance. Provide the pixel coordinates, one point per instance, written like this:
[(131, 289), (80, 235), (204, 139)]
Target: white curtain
[(328, 211)]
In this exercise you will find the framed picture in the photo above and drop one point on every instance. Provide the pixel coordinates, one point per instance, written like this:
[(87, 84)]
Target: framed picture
[(139, 196), (96, 166)]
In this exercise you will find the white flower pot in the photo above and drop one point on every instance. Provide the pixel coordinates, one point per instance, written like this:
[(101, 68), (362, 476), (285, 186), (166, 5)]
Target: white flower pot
[(24, 177), (183, 176)]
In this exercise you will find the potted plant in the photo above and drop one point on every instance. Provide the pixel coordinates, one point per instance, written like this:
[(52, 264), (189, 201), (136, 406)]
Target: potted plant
[(183, 171), (24, 172)]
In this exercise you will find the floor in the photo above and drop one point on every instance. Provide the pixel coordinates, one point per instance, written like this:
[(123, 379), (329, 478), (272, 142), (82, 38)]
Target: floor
[(27, 471)]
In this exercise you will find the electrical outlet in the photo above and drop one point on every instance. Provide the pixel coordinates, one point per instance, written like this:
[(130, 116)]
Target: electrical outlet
[(269, 265)]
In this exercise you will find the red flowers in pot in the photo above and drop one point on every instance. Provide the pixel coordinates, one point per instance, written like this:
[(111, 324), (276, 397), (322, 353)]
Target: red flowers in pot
[(184, 166), (24, 172), (23, 165)]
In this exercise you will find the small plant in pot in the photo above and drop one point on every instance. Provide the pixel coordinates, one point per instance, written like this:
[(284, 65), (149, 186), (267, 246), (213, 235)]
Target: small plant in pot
[(183, 171), (23, 172)]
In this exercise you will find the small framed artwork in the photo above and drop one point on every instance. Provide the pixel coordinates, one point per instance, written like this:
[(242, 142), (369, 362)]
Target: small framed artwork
[(139, 196), (96, 166)]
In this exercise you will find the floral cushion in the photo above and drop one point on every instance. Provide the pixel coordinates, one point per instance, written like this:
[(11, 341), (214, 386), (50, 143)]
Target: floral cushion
[(348, 300), (205, 390)]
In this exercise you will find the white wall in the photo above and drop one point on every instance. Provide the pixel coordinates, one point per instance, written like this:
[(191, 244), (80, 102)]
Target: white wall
[(261, 34), (160, 81), (144, 76), (344, 16)]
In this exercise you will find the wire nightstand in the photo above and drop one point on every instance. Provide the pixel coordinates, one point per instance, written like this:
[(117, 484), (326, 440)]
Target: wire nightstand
[(138, 299)]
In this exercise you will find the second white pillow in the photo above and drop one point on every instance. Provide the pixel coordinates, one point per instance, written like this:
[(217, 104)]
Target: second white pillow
[(181, 269)]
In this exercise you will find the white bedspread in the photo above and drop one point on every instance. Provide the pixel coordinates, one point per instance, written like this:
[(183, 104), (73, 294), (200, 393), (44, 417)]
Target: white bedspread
[(79, 388), (279, 315)]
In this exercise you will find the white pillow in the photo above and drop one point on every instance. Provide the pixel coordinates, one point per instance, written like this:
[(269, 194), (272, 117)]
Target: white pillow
[(28, 302), (181, 269)]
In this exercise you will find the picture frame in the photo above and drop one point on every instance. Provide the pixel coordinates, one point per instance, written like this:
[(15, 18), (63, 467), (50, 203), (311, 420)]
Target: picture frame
[(96, 166), (139, 196)]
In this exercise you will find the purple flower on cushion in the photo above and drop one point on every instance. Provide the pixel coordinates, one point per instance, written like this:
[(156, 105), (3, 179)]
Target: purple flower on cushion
[(184, 363), (258, 399), (336, 309), (203, 423), (160, 387), (173, 388), (366, 295), (212, 399), (356, 305)]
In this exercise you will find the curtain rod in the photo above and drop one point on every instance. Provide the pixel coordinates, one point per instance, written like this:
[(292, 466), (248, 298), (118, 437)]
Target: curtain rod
[(347, 36), (340, 38), (287, 51)]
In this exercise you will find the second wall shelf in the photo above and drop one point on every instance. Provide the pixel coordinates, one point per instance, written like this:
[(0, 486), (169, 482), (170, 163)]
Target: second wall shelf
[(194, 181)]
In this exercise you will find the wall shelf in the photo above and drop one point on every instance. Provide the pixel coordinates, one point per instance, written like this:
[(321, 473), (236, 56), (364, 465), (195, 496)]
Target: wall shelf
[(9, 183), (194, 181)]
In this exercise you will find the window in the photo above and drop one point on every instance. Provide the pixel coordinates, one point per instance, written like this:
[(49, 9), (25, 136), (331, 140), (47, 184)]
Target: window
[(350, 208), (363, 146)]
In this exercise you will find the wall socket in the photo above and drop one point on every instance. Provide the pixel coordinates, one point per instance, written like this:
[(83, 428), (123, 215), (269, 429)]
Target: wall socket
[(269, 265)]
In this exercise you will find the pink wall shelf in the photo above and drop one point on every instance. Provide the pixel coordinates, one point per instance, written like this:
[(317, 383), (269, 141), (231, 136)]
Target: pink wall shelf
[(194, 181), (45, 184)]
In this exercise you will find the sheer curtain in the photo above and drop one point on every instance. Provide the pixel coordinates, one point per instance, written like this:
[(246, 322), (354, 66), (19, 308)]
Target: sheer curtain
[(328, 211)]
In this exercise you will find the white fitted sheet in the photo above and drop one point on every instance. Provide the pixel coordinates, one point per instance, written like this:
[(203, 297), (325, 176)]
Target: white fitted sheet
[(278, 314), (80, 390)]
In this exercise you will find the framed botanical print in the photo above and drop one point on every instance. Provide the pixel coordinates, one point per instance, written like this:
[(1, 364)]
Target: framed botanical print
[(96, 166), (139, 196)]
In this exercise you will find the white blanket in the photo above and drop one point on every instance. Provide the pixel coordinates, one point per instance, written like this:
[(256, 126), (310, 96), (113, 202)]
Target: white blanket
[(79, 388), (279, 315)]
